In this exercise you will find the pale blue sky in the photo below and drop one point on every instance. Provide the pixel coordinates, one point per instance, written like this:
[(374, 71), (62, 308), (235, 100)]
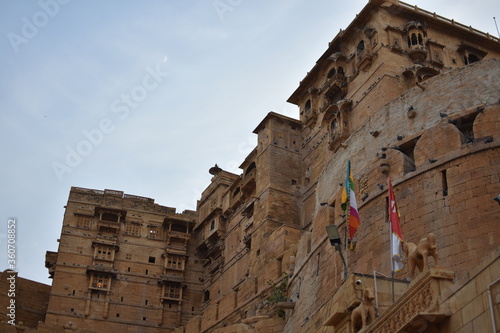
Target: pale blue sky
[(153, 93)]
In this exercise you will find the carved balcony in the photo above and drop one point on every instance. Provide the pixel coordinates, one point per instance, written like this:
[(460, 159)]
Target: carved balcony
[(50, 262), (106, 239), (177, 234), (248, 183), (214, 266), (420, 305), (102, 269), (365, 59), (417, 54), (310, 117), (236, 199), (171, 277), (108, 224)]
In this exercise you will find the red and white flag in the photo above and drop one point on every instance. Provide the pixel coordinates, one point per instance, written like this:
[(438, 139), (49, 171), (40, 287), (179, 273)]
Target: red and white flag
[(396, 235)]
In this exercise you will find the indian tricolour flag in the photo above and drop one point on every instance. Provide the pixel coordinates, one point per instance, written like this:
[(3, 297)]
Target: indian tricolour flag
[(349, 204)]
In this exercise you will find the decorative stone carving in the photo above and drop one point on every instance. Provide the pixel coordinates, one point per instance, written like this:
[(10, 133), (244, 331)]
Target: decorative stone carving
[(417, 255), (419, 306), (364, 314)]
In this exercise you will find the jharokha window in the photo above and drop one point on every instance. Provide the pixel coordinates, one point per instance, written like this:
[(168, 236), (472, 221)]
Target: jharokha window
[(172, 291), (100, 281), (83, 221), (103, 252), (174, 262), (132, 229), (155, 232)]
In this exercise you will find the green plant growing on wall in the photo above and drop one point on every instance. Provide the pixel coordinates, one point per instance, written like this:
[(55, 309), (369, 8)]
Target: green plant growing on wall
[(278, 294)]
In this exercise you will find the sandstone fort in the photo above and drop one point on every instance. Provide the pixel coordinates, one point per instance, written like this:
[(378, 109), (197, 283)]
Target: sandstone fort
[(401, 93)]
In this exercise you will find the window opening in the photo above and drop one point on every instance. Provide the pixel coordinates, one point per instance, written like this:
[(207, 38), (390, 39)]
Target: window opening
[(471, 59), (466, 126), (179, 228), (110, 217), (360, 48), (444, 181), (308, 105), (408, 149), (413, 39)]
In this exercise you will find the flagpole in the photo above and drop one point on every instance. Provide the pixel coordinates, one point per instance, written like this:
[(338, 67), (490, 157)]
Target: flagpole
[(390, 241), (392, 262)]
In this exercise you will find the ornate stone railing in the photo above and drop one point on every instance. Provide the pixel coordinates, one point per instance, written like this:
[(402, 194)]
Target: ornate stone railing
[(178, 234), (418, 307)]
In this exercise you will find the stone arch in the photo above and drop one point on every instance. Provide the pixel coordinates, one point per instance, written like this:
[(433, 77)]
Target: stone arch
[(424, 73), (436, 143), (331, 72), (487, 123), (335, 121)]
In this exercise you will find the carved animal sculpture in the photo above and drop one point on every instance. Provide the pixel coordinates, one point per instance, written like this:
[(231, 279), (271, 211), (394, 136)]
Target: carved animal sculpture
[(364, 314), (417, 255)]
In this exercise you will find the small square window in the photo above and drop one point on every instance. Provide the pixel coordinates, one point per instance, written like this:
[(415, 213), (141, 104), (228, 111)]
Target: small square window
[(152, 260)]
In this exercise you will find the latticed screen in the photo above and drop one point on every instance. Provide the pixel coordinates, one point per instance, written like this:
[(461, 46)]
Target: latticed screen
[(174, 262), (100, 281), (154, 232), (132, 229), (173, 291), (83, 221), (104, 252)]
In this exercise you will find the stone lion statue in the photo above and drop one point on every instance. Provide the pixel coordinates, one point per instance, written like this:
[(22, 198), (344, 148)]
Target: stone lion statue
[(364, 314), (417, 255)]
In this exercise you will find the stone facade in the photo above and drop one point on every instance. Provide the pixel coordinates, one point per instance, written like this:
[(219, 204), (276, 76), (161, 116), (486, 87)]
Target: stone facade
[(402, 93), (121, 265)]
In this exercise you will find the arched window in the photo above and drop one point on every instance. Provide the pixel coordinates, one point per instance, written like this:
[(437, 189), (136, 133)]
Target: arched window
[(308, 105), (420, 39), (360, 48), (331, 73), (413, 39), (341, 70), (334, 126)]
